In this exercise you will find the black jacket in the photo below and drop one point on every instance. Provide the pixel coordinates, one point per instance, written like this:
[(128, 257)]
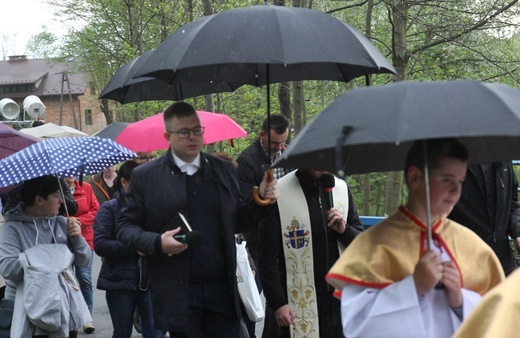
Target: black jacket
[(253, 162), (157, 191), (504, 219), (119, 268)]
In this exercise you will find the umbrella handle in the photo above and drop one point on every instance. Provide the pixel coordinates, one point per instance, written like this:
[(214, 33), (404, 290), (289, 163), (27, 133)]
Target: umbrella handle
[(256, 197)]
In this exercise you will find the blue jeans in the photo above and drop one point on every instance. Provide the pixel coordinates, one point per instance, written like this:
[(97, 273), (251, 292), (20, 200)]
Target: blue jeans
[(122, 304), (84, 276)]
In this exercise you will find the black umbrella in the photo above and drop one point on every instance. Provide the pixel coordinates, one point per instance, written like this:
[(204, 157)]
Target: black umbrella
[(123, 88), (112, 131), (260, 45), (265, 44), (371, 129)]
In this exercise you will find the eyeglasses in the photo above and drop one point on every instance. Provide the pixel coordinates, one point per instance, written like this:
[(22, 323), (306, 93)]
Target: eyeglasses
[(185, 132)]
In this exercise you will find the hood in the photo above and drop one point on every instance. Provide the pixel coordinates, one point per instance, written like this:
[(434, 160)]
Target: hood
[(18, 215)]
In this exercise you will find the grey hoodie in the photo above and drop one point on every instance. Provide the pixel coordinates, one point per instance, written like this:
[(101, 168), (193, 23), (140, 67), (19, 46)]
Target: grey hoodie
[(21, 232)]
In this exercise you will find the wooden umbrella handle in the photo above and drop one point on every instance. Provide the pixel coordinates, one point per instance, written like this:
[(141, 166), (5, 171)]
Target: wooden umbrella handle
[(256, 197)]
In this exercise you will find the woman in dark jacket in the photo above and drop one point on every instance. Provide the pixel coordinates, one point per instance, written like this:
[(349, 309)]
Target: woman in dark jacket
[(123, 273)]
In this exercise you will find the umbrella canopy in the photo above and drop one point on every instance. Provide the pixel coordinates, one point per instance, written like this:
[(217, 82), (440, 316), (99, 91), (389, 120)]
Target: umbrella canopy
[(147, 134), (112, 130), (371, 129), (68, 156), (264, 44), (12, 140), (123, 88), (52, 130)]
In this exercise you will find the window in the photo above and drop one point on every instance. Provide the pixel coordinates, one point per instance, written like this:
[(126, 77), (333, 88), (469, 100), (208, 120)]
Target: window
[(88, 117), (19, 88)]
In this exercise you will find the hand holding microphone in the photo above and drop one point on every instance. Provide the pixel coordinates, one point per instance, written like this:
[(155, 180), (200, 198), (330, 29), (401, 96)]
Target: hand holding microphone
[(334, 219), (327, 183)]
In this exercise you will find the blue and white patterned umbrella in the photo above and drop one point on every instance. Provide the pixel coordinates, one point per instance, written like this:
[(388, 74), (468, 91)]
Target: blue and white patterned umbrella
[(66, 157)]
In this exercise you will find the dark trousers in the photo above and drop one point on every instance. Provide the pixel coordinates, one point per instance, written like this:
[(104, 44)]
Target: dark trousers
[(122, 305), (212, 313)]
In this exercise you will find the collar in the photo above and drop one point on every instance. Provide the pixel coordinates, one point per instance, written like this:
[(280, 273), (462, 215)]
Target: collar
[(267, 154), (186, 167)]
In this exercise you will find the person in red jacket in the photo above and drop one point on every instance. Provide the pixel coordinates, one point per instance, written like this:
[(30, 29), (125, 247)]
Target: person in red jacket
[(88, 207)]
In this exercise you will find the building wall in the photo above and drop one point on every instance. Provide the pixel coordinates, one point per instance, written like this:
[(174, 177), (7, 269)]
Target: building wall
[(80, 103)]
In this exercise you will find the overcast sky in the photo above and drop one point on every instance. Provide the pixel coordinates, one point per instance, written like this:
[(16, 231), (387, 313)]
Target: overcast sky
[(22, 19)]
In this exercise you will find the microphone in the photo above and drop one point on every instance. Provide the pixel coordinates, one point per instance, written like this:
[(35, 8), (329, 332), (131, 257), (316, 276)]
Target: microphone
[(327, 182), (191, 238)]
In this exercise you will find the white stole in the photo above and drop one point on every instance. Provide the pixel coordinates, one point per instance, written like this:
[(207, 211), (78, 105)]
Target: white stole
[(297, 245)]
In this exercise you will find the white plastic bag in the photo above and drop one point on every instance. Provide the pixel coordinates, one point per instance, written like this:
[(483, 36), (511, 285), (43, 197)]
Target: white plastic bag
[(247, 286)]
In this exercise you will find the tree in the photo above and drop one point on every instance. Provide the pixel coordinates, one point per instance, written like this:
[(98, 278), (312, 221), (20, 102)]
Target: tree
[(426, 40), (435, 40), (43, 45)]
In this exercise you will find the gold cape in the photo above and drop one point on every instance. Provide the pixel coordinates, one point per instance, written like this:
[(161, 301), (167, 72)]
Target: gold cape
[(388, 252), (497, 314)]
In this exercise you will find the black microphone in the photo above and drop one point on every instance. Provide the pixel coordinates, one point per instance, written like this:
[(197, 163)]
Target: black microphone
[(191, 238), (327, 182)]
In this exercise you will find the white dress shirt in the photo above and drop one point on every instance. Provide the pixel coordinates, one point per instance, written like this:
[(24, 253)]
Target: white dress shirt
[(188, 168)]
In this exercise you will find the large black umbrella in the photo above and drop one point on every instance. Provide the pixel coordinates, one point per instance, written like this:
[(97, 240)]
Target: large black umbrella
[(123, 88), (370, 129), (265, 44)]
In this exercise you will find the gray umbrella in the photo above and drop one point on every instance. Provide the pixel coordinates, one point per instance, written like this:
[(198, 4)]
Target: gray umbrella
[(265, 44), (112, 131), (123, 88), (260, 45), (371, 129)]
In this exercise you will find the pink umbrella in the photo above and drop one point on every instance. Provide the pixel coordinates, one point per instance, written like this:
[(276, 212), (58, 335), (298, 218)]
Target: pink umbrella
[(147, 134)]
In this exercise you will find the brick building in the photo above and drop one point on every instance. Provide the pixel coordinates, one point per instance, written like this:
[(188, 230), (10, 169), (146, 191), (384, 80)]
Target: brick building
[(52, 81)]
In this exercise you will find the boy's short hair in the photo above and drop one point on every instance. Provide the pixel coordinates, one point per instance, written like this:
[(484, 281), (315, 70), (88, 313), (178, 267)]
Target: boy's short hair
[(178, 110), (437, 149), (42, 186)]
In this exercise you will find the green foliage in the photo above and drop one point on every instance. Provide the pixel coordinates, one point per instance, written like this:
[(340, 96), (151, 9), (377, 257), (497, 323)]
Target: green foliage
[(444, 39), (43, 45)]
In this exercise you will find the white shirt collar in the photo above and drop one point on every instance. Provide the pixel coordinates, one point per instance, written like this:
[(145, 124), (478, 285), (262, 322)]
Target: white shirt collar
[(188, 168)]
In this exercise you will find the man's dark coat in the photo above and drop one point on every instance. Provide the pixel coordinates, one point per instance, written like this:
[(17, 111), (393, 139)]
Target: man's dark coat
[(156, 193), (472, 210)]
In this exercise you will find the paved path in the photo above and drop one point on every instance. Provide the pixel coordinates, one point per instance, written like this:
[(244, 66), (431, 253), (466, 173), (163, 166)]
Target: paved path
[(101, 316)]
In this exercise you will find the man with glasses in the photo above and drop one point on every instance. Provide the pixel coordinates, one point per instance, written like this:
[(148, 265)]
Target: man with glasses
[(253, 162), (194, 287)]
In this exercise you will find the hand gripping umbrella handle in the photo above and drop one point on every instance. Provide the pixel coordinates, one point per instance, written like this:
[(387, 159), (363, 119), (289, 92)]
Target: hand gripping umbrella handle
[(256, 197)]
